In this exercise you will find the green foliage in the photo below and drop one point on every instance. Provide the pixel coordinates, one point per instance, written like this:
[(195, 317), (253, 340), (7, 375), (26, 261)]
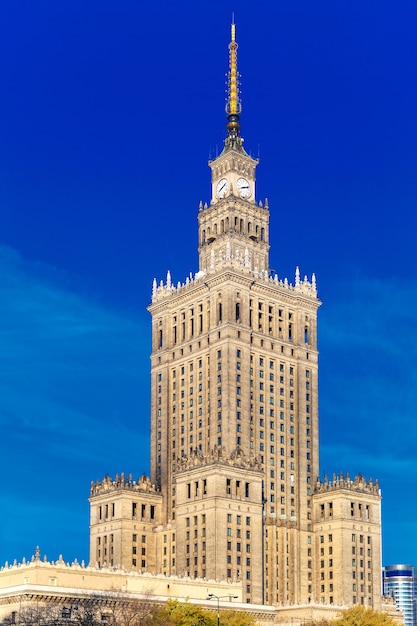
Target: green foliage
[(176, 613), (236, 618), (361, 616), (357, 616)]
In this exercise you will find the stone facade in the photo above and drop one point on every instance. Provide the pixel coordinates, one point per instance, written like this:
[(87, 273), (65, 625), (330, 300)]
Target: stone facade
[(123, 517), (347, 529), (63, 589), (30, 584), (233, 491), (219, 521)]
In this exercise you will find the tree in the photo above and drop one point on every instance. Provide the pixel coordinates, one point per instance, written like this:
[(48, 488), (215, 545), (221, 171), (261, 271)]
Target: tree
[(176, 613), (35, 613), (186, 614), (117, 610), (361, 616), (236, 618), (123, 612)]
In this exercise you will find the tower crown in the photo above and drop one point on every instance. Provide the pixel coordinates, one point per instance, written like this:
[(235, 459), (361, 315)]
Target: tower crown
[(233, 171)]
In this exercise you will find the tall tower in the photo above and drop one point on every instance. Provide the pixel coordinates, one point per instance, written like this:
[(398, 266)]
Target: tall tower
[(234, 492), (234, 416)]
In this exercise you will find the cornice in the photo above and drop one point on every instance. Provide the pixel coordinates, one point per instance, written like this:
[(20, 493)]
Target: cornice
[(233, 203)]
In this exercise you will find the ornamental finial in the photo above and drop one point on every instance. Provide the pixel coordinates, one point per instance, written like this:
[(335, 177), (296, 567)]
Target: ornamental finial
[(233, 104)]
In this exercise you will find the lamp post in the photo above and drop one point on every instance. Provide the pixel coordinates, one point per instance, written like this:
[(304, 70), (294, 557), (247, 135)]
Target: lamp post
[(218, 598)]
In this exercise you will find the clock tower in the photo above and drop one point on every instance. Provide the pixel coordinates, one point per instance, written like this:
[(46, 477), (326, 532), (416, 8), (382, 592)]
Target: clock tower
[(234, 227), (233, 492)]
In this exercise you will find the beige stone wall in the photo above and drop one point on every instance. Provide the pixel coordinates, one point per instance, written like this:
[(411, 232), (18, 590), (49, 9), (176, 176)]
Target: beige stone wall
[(348, 542), (123, 516), (234, 373), (219, 523), (64, 580), (248, 380), (40, 582)]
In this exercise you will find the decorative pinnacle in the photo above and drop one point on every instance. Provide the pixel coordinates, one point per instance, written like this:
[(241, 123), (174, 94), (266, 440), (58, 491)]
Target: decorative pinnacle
[(233, 104)]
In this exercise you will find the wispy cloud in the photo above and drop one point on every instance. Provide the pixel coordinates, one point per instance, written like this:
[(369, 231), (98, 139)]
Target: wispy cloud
[(73, 377), (74, 399), (368, 388)]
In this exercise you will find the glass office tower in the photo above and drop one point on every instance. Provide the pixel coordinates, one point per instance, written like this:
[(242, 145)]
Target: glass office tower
[(400, 582)]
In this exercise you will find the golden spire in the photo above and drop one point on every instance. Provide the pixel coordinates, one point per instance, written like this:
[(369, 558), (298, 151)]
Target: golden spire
[(233, 105)]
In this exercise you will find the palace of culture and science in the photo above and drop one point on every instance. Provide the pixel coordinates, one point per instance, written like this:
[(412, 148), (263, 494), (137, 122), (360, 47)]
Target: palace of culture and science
[(233, 506), (233, 492)]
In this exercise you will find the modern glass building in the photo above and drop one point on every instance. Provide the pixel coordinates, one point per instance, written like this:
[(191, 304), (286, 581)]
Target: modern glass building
[(400, 582)]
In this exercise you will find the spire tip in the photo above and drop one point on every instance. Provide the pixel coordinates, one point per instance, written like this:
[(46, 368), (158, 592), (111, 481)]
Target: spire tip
[(233, 105)]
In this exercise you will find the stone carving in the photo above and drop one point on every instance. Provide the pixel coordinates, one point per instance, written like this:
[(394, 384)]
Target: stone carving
[(143, 483), (236, 458), (235, 260), (345, 482)]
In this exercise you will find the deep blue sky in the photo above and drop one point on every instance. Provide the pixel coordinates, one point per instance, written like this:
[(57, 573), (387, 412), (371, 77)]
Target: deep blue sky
[(108, 114)]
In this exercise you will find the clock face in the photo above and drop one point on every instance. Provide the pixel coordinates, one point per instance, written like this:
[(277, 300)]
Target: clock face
[(222, 187), (243, 188)]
